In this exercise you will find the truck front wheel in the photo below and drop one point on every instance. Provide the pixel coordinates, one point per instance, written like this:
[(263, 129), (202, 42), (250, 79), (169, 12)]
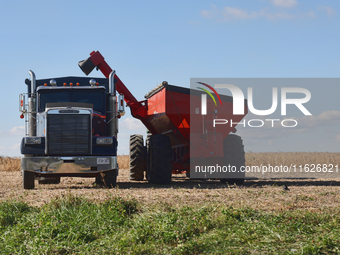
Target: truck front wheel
[(109, 178), (28, 179)]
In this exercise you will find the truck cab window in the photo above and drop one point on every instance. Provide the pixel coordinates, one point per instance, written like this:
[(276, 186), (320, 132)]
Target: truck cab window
[(52, 97), (94, 97)]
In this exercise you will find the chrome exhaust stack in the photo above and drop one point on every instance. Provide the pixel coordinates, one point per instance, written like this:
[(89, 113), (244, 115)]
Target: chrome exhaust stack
[(32, 115), (112, 122)]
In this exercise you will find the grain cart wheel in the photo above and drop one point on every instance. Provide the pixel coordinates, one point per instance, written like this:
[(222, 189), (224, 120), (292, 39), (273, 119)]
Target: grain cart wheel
[(109, 178), (233, 151), (137, 158), (160, 161), (28, 179), (147, 156), (49, 180)]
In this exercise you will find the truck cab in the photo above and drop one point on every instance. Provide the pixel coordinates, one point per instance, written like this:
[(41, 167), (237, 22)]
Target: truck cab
[(71, 129)]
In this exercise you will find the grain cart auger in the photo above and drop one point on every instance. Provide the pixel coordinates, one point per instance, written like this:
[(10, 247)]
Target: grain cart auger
[(166, 114), (71, 130)]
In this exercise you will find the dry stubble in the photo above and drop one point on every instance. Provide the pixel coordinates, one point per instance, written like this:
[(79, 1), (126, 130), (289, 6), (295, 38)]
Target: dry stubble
[(261, 194)]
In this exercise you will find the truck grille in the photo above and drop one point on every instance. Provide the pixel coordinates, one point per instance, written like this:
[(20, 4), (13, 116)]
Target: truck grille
[(68, 134)]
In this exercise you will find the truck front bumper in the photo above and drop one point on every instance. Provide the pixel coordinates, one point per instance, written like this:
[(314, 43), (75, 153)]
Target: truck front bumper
[(69, 166)]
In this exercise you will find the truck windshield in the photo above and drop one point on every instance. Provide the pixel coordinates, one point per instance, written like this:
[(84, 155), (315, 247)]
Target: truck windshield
[(94, 97)]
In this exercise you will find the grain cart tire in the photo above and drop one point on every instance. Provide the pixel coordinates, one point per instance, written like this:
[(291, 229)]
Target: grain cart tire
[(137, 158), (28, 179), (49, 180), (146, 161), (233, 151), (147, 157), (109, 178), (160, 161)]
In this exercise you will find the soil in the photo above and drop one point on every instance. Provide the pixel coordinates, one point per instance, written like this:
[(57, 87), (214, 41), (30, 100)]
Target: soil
[(312, 194)]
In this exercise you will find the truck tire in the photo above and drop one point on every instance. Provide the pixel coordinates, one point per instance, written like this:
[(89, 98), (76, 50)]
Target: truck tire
[(137, 158), (49, 180), (233, 152), (160, 161), (99, 180), (28, 179), (109, 178)]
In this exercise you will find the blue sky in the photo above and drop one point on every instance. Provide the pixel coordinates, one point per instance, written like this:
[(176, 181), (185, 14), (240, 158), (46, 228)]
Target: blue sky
[(147, 42)]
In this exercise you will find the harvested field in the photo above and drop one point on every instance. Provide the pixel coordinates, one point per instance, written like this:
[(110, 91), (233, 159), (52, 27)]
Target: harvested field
[(311, 194), (252, 159), (295, 158)]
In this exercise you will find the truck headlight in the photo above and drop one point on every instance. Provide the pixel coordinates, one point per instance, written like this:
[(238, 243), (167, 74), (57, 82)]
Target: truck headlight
[(32, 140), (104, 140)]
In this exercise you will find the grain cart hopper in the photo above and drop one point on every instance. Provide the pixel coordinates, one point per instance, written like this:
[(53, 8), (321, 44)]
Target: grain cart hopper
[(166, 112), (71, 129)]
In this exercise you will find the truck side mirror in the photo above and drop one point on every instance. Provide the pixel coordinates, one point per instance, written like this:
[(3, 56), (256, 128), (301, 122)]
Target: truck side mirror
[(22, 103), (121, 110)]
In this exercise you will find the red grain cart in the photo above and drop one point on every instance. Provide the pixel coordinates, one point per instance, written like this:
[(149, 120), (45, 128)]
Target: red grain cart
[(179, 134)]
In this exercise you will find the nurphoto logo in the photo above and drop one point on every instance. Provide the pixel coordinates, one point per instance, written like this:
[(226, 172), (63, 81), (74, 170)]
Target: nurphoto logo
[(239, 105), (204, 97)]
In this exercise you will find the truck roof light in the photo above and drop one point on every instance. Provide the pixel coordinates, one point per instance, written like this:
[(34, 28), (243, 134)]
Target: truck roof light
[(92, 82), (45, 84), (65, 84), (77, 84), (71, 84), (53, 82)]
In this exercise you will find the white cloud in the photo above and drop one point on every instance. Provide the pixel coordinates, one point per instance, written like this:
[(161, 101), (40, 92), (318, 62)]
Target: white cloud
[(236, 13), (311, 15), (305, 124), (18, 130), (10, 149), (15, 146), (329, 11), (210, 14), (274, 15), (337, 138), (233, 13), (15, 131), (284, 3), (229, 13), (326, 118), (130, 124)]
